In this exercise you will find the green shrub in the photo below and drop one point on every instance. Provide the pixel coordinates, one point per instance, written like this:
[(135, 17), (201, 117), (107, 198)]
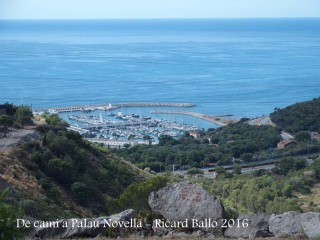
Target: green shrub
[(8, 217), (136, 195), (29, 207), (80, 192)]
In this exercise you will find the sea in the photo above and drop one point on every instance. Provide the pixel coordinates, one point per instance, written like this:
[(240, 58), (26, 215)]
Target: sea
[(241, 67)]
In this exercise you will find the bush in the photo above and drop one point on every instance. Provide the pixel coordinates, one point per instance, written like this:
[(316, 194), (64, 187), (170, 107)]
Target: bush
[(247, 157), (302, 136), (231, 213), (194, 171), (288, 164), (23, 116), (29, 207), (8, 217), (80, 192), (136, 195)]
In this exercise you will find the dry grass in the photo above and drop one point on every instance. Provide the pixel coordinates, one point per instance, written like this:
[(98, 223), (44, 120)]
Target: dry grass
[(16, 175), (311, 200)]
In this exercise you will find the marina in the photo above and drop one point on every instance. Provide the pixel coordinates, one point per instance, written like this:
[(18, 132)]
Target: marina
[(121, 129), (106, 124)]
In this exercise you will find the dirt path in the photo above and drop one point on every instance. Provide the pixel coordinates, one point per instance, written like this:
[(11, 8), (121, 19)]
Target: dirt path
[(14, 137)]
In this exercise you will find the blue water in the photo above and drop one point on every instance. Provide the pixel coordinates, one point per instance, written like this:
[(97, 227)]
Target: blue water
[(241, 67)]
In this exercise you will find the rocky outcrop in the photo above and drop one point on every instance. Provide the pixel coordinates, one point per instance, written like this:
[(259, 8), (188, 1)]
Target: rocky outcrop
[(250, 226), (294, 224), (311, 224), (159, 230), (187, 201), (70, 228), (286, 225), (73, 228)]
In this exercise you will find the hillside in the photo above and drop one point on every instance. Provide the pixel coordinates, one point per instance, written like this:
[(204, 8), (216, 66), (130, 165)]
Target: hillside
[(291, 186), (61, 175), (238, 140), (298, 117)]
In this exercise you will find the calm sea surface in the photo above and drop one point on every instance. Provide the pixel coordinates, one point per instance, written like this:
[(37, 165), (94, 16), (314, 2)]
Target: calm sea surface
[(240, 67)]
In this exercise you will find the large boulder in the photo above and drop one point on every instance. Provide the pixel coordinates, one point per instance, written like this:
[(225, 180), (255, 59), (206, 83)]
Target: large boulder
[(81, 227), (310, 223), (250, 226), (294, 224), (125, 215), (188, 202)]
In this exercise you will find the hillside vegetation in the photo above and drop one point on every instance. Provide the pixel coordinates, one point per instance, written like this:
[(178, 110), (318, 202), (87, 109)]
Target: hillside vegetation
[(298, 117), (238, 140), (16, 116), (60, 175), (276, 192), (63, 175)]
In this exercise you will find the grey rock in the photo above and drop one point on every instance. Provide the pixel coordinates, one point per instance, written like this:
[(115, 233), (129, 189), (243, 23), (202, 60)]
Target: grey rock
[(198, 234), (257, 226), (286, 225), (294, 224), (180, 235), (82, 227), (187, 201), (159, 231), (310, 223), (73, 229), (125, 215)]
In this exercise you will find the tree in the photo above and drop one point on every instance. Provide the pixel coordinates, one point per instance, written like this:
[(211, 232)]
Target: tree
[(5, 122), (23, 116), (298, 117), (205, 141), (299, 163), (220, 171), (195, 171), (8, 218), (236, 169), (10, 108), (55, 121), (165, 139), (136, 195), (247, 157), (29, 207), (287, 164), (80, 191), (302, 137), (60, 170)]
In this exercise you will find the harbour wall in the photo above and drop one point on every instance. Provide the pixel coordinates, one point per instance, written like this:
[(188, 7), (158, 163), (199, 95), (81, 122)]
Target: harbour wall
[(112, 106)]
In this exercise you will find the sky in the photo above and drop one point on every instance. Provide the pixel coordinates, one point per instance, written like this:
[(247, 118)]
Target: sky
[(115, 9)]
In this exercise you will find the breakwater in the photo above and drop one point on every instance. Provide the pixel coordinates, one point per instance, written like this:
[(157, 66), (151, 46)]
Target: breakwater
[(106, 107), (221, 121)]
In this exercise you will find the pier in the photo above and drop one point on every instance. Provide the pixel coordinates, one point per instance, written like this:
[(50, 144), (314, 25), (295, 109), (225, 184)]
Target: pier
[(221, 121), (118, 125), (113, 143), (81, 131), (106, 107)]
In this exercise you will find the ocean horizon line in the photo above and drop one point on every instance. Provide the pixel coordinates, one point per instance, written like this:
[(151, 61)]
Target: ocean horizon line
[(160, 19)]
